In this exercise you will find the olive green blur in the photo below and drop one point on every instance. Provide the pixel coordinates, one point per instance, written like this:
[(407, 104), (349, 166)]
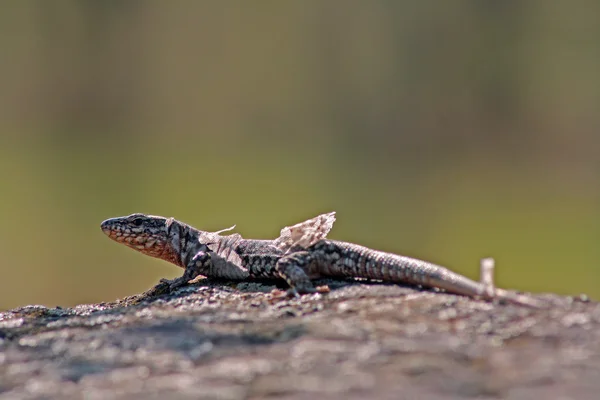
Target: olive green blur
[(447, 131)]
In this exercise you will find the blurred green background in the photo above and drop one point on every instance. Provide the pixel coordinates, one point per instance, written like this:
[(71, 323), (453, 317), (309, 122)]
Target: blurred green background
[(447, 131)]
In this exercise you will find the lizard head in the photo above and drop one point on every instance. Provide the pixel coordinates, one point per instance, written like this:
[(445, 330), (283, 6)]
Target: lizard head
[(148, 234)]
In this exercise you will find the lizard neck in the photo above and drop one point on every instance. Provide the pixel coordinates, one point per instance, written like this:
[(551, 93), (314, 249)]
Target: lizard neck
[(182, 245)]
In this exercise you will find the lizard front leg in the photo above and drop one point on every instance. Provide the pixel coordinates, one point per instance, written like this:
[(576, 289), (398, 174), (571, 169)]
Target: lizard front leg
[(293, 268), (197, 266)]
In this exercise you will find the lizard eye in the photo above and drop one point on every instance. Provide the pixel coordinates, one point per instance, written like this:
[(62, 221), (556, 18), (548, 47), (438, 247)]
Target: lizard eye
[(137, 221)]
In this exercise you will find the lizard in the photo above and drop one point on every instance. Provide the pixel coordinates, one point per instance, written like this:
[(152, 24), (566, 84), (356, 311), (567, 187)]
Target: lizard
[(299, 255)]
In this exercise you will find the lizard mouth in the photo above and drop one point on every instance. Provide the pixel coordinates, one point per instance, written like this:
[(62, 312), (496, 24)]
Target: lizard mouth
[(114, 230), (105, 226)]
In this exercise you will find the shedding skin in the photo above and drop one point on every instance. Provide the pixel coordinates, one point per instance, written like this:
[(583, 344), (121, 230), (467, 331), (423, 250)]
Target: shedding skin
[(300, 254)]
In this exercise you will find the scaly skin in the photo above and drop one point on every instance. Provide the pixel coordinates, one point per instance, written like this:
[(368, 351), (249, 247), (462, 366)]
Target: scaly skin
[(208, 253), (152, 236), (300, 254)]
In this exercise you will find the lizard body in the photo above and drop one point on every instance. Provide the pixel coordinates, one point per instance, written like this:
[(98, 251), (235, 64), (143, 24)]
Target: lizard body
[(301, 253)]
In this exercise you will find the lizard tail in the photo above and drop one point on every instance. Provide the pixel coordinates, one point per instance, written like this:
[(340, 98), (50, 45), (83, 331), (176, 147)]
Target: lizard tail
[(400, 269), (363, 262)]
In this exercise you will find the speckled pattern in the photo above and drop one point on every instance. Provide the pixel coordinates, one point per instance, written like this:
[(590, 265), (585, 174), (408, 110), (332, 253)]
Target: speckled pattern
[(215, 340), (300, 254)]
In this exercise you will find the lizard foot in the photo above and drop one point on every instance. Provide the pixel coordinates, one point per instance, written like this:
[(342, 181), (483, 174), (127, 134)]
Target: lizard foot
[(308, 290), (299, 291), (278, 294), (174, 283)]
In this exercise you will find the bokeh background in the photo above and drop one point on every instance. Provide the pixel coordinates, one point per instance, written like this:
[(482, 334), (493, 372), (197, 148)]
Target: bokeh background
[(447, 131)]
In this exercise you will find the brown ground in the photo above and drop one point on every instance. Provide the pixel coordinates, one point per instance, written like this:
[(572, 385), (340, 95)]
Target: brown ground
[(217, 340)]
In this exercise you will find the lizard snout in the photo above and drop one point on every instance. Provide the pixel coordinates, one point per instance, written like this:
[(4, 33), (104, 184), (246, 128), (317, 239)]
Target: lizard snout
[(107, 227)]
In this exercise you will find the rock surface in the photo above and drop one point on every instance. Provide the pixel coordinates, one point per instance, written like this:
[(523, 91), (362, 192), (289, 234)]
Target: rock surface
[(223, 341)]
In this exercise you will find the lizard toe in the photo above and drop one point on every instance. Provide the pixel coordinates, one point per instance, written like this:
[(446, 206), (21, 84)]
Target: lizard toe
[(292, 292), (306, 290)]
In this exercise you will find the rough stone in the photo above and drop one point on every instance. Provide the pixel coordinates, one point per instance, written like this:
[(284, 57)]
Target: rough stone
[(216, 340)]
